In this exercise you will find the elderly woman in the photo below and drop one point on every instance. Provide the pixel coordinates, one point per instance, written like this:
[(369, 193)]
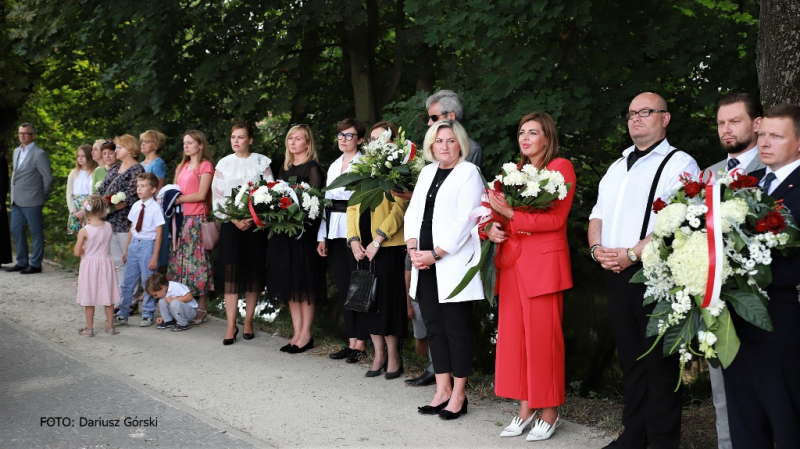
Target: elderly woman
[(121, 177), (332, 236), (530, 344), (189, 264), (152, 143), (437, 230), (242, 255), (378, 236), (295, 272)]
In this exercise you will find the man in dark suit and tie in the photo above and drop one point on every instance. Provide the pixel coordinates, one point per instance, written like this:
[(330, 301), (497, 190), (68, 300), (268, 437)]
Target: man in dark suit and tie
[(762, 384), (31, 182), (738, 117)]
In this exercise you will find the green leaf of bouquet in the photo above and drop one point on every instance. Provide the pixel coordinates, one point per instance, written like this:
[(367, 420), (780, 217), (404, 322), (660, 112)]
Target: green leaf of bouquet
[(358, 196), (763, 277), (485, 250), (639, 277), (727, 344), (681, 333), (738, 241), (749, 306), (489, 274), (659, 313), (371, 200), (345, 179)]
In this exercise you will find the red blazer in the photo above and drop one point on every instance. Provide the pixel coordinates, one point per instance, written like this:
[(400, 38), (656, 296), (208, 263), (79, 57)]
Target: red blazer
[(544, 266)]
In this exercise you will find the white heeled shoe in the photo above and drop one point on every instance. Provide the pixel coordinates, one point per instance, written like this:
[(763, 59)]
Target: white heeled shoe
[(541, 430), (518, 425)]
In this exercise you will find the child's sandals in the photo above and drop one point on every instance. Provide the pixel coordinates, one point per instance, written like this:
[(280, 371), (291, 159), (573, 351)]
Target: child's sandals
[(86, 332)]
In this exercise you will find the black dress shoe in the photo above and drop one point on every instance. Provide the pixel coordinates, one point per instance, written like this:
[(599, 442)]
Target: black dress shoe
[(611, 445), (343, 353), (297, 350), (448, 415), (14, 268), (394, 374), (426, 378), (286, 347), (31, 270), (356, 356), (230, 341), (432, 409)]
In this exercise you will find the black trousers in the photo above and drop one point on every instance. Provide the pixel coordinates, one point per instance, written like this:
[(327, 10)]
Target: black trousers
[(448, 328), (762, 386), (652, 412), (342, 263)]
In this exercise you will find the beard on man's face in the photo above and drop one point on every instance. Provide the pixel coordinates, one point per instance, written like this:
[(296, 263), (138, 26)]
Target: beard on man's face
[(735, 147)]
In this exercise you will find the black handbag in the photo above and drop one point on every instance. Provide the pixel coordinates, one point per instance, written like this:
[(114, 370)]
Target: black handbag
[(362, 291)]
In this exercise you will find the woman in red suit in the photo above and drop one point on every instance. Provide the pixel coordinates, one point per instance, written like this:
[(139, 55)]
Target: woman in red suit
[(530, 344)]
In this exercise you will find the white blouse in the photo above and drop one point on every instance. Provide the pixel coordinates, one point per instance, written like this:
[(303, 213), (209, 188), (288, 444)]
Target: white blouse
[(232, 171), (338, 225), (83, 183)]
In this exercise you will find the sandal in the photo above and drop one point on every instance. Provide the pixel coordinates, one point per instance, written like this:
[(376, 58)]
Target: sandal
[(518, 425), (202, 320), (541, 430), (86, 332)]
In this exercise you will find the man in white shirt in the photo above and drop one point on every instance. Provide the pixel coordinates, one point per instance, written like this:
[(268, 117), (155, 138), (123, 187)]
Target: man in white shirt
[(620, 225), (761, 384), (738, 116)]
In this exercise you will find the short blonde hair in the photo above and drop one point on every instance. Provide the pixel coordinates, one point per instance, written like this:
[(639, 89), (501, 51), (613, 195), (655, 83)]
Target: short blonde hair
[(458, 130), (130, 143), (96, 205), (159, 138), (311, 153)]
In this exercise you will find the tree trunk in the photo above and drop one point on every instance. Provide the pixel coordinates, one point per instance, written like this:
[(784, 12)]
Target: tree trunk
[(359, 43), (778, 52)]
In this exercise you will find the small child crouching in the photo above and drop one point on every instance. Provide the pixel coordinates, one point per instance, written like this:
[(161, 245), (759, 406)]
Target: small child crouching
[(178, 306)]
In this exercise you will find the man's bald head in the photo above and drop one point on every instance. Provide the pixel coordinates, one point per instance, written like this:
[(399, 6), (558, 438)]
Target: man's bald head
[(645, 131)]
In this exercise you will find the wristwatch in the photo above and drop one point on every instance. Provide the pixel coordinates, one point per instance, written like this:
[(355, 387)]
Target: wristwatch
[(632, 257), (435, 256), (376, 244)]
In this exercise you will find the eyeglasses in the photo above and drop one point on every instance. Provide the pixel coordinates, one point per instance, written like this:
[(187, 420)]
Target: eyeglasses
[(348, 137), (435, 118), (641, 113), (25, 134)]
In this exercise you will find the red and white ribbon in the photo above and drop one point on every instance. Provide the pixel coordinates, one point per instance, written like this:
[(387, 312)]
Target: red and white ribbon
[(483, 214), (411, 152), (715, 244)]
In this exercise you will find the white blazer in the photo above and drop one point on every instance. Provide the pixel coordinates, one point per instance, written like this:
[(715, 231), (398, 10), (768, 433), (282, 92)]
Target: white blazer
[(458, 195)]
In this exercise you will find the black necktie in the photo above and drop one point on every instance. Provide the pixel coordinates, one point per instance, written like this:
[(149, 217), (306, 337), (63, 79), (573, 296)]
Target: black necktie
[(768, 181), (733, 162)]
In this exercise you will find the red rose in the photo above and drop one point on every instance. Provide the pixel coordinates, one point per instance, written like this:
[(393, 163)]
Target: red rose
[(285, 202), (498, 185), (272, 184), (772, 222), (108, 199), (743, 182), (693, 189), (658, 205)]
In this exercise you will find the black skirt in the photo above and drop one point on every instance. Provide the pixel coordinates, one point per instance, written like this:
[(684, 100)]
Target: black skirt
[(295, 272), (241, 259), (392, 316)]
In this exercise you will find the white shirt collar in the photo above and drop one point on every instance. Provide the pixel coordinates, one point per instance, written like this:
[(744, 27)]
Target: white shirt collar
[(780, 174), (745, 158), (662, 148), (25, 149)]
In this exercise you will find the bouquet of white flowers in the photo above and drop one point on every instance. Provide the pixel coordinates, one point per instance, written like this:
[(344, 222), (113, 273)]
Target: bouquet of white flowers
[(712, 248), (384, 166), (116, 198), (285, 207)]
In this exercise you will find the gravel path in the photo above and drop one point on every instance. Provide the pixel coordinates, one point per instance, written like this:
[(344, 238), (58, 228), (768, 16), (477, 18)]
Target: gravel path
[(258, 395)]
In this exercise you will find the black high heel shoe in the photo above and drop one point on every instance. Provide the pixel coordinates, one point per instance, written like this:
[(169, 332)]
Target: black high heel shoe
[(394, 374), (230, 341), (247, 336), (297, 350), (377, 372), (448, 415), (432, 409)]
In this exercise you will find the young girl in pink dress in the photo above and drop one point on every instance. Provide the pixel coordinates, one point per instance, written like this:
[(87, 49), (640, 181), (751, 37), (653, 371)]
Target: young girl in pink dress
[(97, 279)]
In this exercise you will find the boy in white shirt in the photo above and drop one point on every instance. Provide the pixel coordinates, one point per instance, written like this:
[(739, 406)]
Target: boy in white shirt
[(178, 306), (141, 253)]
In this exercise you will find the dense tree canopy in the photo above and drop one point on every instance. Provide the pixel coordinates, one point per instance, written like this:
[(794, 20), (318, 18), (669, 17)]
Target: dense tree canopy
[(99, 68)]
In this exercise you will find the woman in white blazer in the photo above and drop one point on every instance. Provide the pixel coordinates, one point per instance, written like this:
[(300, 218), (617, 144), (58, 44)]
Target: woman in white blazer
[(437, 231)]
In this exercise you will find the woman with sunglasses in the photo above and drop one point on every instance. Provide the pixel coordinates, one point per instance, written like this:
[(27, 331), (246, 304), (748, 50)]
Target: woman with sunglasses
[(376, 240), (332, 236), (295, 272)]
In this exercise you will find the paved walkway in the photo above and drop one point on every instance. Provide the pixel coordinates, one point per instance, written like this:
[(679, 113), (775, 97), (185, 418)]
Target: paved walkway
[(205, 394)]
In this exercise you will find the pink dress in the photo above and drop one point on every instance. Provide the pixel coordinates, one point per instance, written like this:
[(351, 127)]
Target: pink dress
[(97, 279)]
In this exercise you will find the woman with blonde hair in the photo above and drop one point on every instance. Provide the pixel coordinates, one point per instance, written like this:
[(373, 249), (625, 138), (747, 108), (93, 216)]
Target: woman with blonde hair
[(121, 178), (100, 171), (295, 272), (152, 143), (79, 187), (189, 263)]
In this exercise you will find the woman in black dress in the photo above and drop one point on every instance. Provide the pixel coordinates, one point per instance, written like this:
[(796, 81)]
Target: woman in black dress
[(295, 272), (5, 234)]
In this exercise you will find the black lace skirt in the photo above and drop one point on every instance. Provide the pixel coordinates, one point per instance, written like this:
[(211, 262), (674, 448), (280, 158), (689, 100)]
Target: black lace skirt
[(241, 259)]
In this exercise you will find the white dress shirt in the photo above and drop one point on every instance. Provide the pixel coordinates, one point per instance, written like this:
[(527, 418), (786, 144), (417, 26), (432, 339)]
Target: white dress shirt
[(744, 159), (23, 151), (338, 225), (780, 175), (153, 218), (622, 195)]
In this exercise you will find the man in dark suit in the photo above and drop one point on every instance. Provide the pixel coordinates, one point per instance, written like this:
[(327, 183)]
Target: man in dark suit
[(31, 182), (763, 382), (738, 117)]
